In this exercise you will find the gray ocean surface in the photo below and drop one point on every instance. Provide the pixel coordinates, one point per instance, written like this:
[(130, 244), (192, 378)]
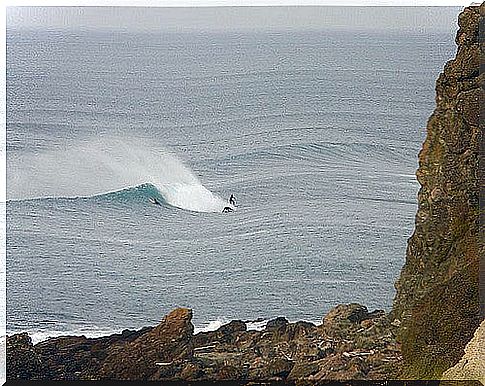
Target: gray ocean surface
[(316, 133)]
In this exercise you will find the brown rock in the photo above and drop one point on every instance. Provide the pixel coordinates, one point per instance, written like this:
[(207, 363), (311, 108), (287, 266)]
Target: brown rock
[(78, 357), (284, 331), (354, 313), (276, 324), (228, 372), (468, 104), (227, 333), (367, 323), (302, 370), (341, 368), (192, 371), (22, 362), (151, 354), (279, 367)]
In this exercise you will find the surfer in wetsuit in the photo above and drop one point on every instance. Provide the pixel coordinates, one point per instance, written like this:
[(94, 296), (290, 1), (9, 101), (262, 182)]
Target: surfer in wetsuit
[(232, 201)]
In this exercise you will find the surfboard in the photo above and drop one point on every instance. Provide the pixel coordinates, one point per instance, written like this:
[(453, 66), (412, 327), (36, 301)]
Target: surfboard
[(154, 201)]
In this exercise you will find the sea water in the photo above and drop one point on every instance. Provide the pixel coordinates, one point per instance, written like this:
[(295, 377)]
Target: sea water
[(316, 133)]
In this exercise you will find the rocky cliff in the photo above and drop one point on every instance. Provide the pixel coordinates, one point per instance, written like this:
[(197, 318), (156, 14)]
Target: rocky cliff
[(437, 297)]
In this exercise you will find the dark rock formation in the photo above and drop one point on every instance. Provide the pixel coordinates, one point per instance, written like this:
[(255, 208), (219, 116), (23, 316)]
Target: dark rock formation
[(437, 299), (23, 362), (68, 358), (155, 354), (345, 347)]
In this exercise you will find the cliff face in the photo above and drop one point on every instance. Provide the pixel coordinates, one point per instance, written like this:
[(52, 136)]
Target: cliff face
[(437, 297)]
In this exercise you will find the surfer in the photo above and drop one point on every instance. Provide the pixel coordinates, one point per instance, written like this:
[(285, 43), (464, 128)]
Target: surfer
[(154, 201), (232, 200), (227, 209)]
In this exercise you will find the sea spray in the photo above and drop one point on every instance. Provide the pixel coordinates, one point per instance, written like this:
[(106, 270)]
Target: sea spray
[(96, 167)]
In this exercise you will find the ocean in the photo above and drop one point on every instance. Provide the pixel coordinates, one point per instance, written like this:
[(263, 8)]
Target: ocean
[(316, 133)]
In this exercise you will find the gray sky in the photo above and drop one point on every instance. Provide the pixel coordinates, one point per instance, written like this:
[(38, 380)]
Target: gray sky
[(420, 19)]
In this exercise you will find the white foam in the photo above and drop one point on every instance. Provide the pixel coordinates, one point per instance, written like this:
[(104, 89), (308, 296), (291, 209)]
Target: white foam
[(211, 326), (38, 336), (214, 325), (104, 165), (193, 197)]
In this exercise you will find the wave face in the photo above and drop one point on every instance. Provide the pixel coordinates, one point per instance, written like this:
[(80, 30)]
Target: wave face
[(93, 168)]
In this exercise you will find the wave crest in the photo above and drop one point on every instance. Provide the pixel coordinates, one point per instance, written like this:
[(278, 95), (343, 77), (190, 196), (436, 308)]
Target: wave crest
[(106, 166)]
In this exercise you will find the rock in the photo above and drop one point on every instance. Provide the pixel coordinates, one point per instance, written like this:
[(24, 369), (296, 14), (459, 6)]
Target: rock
[(303, 370), (169, 351), (437, 299), (232, 327), (472, 365), (270, 368), (228, 372), (279, 367), (192, 371), (367, 323), (227, 333), (376, 314), (78, 357), (169, 342), (22, 362), (341, 368), (282, 330), (276, 324), (68, 357), (298, 330), (354, 313)]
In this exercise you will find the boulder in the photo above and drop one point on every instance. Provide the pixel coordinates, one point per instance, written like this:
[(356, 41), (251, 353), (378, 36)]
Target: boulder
[(227, 333), (22, 361), (277, 323), (353, 313), (152, 355)]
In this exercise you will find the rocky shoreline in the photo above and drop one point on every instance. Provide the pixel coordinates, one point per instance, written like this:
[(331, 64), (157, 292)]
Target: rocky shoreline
[(351, 343)]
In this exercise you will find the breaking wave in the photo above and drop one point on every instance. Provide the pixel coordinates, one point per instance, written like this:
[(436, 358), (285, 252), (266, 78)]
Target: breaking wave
[(107, 167)]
